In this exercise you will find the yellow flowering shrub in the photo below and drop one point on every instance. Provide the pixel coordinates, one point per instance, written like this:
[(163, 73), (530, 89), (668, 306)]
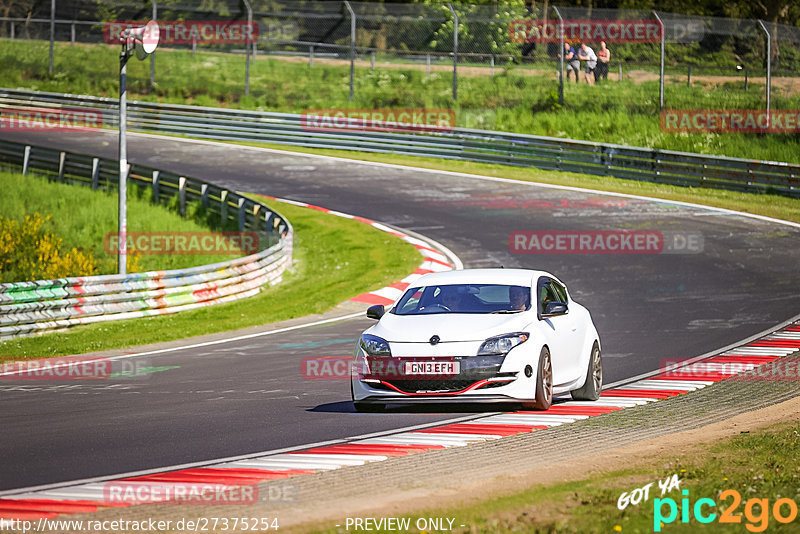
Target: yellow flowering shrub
[(28, 252)]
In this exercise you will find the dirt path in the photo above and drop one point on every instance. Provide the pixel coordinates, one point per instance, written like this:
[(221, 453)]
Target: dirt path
[(788, 86)]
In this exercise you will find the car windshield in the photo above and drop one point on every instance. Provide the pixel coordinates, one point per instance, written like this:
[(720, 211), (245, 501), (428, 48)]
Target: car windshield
[(464, 298)]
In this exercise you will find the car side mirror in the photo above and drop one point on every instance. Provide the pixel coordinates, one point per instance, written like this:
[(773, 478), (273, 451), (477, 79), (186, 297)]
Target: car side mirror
[(552, 309), (376, 312)]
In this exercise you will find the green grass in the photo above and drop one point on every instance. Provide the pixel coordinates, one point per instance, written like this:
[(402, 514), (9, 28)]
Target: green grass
[(764, 465), (82, 217), (623, 113), (334, 259), (779, 207)]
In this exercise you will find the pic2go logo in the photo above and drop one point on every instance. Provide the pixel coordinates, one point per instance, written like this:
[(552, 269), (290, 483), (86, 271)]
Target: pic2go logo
[(756, 511)]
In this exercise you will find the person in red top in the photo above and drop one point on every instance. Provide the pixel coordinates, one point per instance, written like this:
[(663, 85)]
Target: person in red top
[(603, 57)]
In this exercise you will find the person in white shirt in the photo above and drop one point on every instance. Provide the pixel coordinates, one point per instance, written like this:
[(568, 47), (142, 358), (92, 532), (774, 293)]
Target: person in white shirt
[(587, 54)]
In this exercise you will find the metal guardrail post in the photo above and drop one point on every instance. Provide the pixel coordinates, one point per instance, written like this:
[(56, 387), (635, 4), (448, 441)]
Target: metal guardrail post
[(561, 56), (352, 46), (156, 183), (62, 159), (95, 173), (182, 196), (455, 51), (661, 68), (242, 214), (52, 34), (26, 159), (247, 48), (223, 208), (769, 70), (204, 196)]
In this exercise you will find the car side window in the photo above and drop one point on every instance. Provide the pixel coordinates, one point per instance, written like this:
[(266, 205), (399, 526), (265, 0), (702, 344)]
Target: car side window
[(560, 290), (547, 293)]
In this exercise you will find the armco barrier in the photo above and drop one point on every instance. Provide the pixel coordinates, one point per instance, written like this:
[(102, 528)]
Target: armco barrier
[(33, 307), (661, 166)]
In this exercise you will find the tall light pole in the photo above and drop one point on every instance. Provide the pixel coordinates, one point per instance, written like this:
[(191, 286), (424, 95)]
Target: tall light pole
[(143, 41)]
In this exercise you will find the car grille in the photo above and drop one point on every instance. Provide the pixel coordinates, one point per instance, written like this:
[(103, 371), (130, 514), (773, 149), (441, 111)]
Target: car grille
[(473, 369), (418, 386)]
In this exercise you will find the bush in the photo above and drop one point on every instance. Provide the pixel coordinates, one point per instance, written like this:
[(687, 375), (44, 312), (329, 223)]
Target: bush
[(28, 252)]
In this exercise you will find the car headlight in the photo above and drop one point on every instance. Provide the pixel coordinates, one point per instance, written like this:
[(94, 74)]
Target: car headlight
[(375, 346), (502, 344)]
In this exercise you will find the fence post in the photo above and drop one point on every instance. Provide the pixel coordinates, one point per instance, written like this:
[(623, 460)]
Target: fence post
[(372, 60), (182, 196), (428, 63), (95, 173), (689, 76), (12, 31), (455, 51), (492, 61), (204, 196), (561, 56), (223, 208), (194, 46), (156, 184), (242, 214), (26, 159), (62, 158), (153, 55), (620, 72), (661, 68), (769, 69), (72, 35), (269, 225), (247, 49), (52, 33), (310, 55), (352, 45), (745, 78)]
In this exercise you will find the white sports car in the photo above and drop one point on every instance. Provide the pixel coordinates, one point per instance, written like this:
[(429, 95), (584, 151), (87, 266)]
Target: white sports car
[(478, 335)]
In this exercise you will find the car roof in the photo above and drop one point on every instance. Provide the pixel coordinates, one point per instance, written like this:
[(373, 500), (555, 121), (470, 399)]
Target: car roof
[(512, 277)]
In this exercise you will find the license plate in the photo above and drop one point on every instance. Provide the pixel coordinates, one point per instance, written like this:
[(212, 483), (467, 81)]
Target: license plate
[(432, 368)]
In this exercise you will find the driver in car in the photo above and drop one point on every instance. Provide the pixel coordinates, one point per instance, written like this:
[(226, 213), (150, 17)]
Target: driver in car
[(451, 298), (519, 298)]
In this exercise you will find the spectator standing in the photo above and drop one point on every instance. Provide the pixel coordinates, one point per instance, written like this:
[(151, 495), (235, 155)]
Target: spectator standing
[(587, 54), (603, 57), (572, 61)]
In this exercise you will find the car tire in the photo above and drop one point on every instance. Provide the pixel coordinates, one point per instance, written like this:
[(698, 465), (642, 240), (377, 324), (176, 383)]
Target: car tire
[(544, 383), (594, 378), (368, 407)]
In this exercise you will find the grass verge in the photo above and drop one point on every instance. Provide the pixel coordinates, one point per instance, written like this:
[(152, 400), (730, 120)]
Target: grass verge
[(761, 465), (776, 206), (512, 100), (334, 259), (81, 218)]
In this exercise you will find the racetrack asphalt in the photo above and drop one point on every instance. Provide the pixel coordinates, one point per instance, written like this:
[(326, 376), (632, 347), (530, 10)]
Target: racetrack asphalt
[(249, 396)]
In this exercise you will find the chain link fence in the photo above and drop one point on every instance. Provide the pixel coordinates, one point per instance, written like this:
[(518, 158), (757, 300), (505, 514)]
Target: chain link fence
[(471, 44)]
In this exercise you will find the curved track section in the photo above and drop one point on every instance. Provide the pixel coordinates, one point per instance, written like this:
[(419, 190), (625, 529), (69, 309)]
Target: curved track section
[(248, 396)]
